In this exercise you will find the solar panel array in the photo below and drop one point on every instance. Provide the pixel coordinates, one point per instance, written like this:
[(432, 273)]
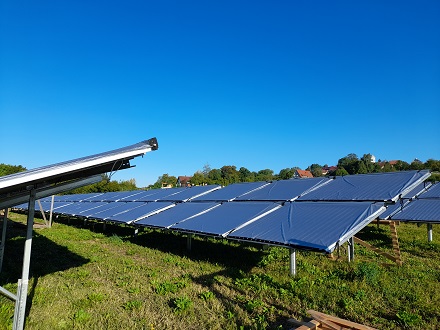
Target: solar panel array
[(425, 207), (315, 214)]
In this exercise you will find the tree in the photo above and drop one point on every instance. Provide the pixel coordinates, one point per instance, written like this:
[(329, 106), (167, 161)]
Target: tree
[(6, 169), (215, 176), (286, 173), (198, 179), (264, 175), (433, 165), (349, 163), (316, 170), (165, 179), (245, 175), (416, 165), (206, 170), (341, 171), (229, 174), (401, 166)]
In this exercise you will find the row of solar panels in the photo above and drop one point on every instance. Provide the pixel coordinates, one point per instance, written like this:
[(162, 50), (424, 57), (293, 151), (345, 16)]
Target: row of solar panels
[(294, 213), (421, 204)]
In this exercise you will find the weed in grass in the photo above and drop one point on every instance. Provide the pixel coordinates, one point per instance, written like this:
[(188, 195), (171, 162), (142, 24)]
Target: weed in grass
[(368, 271), (169, 287), (133, 290), (131, 305), (181, 304), (81, 316), (408, 319), (96, 297), (207, 295)]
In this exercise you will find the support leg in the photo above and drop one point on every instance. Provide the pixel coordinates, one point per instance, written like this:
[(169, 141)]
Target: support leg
[(429, 225), (51, 211), (350, 249), (20, 304), (189, 242), (293, 262), (3, 241)]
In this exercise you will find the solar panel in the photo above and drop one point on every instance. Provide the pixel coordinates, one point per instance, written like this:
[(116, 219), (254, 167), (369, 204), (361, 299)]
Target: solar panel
[(189, 193), (368, 187), (404, 200), (154, 195), (310, 225), (113, 208), (140, 212), (433, 192), (75, 209), (221, 220), (231, 192), (114, 196), (420, 210), (176, 214), (284, 190)]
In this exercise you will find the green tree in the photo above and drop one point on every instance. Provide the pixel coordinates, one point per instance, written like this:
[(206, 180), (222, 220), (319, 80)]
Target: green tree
[(215, 176), (198, 179), (286, 173), (245, 175), (401, 166), (165, 179), (417, 165), (264, 175), (349, 163), (206, 170), (6, 169), (341, 171), (229, 174), (433, 165), (316, 170)]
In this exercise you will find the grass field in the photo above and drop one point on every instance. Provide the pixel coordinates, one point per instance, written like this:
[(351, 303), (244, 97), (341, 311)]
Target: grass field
[(87, 278)]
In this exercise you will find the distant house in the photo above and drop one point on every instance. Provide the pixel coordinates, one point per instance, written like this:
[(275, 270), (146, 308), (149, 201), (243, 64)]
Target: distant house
[(328, 169), (184, 181), (391, 162), (302, 174)]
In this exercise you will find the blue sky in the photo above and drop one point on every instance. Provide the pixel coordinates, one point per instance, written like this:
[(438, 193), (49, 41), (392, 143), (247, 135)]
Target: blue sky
[(259, 84)]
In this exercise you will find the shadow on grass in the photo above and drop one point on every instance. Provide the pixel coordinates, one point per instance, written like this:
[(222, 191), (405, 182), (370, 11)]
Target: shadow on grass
[(46, 257), (227, 253)]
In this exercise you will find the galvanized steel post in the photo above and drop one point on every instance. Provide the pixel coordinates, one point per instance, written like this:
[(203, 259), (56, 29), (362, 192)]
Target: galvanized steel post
[(20, 304), (293, 262)]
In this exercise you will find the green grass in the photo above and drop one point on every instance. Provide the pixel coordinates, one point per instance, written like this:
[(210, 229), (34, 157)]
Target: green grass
[(84, 278)]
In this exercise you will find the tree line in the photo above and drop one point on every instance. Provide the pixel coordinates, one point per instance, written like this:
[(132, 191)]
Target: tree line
[(228, 174), (350, 164)]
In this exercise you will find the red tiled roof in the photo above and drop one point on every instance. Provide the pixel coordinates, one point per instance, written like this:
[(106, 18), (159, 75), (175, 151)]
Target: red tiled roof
[(304, 174)]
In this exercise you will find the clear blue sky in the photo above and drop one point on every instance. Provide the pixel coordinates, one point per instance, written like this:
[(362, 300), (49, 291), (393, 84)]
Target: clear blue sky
[(259, 84)]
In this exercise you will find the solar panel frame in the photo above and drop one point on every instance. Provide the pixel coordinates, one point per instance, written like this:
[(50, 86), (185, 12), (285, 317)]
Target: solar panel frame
[(419, 210)]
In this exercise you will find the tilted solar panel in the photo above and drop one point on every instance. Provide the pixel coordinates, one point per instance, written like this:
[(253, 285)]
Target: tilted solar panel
[(310, 225), (228, 216), (420, 210), (189, 193), (176, 214), (231, 192), (368, 187), (284, 190), (140, 212), (154, 194), (119, 207), (75, 209), (404, 200), (432, 192)]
